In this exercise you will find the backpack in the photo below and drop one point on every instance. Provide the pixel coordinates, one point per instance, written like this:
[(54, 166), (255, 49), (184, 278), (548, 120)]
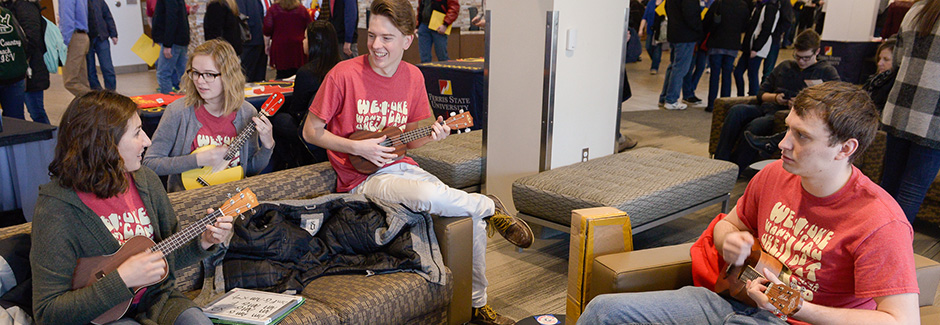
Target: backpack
[(13, 61)]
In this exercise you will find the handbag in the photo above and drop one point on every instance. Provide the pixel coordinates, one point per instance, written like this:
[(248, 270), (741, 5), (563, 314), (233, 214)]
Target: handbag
[(243, 27)]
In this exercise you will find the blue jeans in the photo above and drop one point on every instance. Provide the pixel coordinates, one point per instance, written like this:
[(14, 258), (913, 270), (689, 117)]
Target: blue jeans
[(170, 70), (426, 37), (722, 66), (740, 118), (681, 61), (688, 305), (102, 47), (909, 171), (771, 61), (12, 97), (690, 82), (655, 52), (36, 108), (189, 316), (752, 66)]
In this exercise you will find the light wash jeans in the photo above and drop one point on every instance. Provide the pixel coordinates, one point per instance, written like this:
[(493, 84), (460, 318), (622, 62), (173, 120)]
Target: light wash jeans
[(191, 316), (427, 37), (688, 305), (680, 62), (420, 191), (170, 70)]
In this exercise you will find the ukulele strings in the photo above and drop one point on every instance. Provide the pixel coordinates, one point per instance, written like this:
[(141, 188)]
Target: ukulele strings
[(240, 140), (407, 136), (176, 240)]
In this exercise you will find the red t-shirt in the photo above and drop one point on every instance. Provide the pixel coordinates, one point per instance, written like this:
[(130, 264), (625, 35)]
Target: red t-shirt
[(353, 97), (124, 214), (843, 249), (218, 131)]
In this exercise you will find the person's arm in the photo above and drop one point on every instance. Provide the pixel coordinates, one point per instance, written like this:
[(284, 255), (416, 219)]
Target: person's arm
[(438, 133), (167, 136), (67, 19), (315, 133), (732, 238), (29, 18), (262, 146), (831, 74), (109, 20), (453, 9), (768, 92), (267, 26), (893, 309)]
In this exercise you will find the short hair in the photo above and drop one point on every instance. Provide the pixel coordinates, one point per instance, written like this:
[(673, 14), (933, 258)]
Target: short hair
[(846, 109), (888, 44), (807, 40), (400, 12), (288, 4), (86, 154), (229, 65)]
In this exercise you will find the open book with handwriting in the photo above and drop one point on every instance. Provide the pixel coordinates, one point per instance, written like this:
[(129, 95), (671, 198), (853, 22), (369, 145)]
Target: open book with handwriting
[(246, 306)]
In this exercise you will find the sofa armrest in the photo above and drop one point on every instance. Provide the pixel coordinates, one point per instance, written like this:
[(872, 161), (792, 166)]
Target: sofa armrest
[(661, 268), (722, 105), (455, 237), (928, 277)]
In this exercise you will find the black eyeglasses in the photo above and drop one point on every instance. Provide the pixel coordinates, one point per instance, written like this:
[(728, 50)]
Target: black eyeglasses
[(803, 58), (206, 76)]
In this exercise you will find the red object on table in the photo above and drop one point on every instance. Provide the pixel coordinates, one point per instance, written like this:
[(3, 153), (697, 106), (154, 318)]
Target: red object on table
[(155, 100)]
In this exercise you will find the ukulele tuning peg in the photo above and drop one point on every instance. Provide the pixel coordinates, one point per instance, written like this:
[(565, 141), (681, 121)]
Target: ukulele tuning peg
[(228, 195), (238, 189), (461, 111), (452, 113)]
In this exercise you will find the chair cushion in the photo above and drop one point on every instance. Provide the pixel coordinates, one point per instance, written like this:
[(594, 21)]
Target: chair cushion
[(646, 183), (457, 160)]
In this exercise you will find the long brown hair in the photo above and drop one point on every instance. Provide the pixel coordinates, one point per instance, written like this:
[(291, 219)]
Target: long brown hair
[(86, 154), (230, 4), (925, 20), (229, 65), (288, 4)]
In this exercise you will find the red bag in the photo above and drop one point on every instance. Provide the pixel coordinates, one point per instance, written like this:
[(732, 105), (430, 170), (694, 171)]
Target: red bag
[(706, 261)]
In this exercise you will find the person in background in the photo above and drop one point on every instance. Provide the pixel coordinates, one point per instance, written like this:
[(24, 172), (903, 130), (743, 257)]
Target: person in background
[(776, 93), (322, 51), (171, 31), (254, 56), (438, 37), (724, 22), (73, 22), (758, 40), (911, 119), (285, 23), (480, 19), (787, 17), (213, 112), (100, 29), (684, 32), (383, 78), (894, 15), (101, 196), (649, 28), (222, 22), (344, 15), (30, 20)]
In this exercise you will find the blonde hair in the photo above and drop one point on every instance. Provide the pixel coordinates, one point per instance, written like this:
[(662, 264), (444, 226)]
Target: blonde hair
[(233, 81)]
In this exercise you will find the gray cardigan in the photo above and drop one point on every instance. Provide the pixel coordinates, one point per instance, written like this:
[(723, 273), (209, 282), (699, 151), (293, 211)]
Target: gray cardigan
[(173, 140)]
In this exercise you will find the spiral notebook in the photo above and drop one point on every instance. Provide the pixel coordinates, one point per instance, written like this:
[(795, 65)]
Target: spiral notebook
[(246, 306)]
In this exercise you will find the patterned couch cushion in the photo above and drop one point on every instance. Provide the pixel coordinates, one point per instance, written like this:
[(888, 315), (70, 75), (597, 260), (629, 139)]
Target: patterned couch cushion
[(646, 183), (457, 160)]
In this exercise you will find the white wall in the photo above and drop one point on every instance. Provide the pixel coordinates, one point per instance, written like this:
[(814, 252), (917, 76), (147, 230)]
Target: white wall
[(130, 26), (850, 20)]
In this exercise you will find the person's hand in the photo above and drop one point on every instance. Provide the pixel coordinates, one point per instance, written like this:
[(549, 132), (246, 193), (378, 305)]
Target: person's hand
[(628, 37), (114, 40), (478, 21), (737, 247), (347, 49), (441, 29), (757, 287), (142, 269), (641, 32), (214, 157), (374, 152), (263, 125), (781, 99), (753, 54), (217, 232), (167, 53), (439, 131)]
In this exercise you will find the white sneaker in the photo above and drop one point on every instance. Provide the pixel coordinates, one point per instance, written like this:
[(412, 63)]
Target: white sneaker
[(676, 106)]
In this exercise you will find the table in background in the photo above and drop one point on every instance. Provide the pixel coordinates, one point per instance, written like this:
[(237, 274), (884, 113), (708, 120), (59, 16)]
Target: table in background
[(457, 85), (26, 149)]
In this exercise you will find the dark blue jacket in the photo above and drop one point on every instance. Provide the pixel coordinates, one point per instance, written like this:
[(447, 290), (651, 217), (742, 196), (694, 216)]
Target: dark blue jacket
[(170, 23), (100, 21), (345, 20), (255, 12)]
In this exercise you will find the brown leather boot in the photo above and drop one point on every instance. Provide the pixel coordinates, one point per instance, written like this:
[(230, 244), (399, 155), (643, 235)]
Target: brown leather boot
[(486, 316), (513, 229)]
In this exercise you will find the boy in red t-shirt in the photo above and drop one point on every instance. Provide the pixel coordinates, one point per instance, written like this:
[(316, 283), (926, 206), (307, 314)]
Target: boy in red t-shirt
[(845, 241), (376, 91)]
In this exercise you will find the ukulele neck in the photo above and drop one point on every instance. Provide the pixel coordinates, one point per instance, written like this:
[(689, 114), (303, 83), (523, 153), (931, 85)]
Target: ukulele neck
[(240, 140), (410, 136), (182, 237)]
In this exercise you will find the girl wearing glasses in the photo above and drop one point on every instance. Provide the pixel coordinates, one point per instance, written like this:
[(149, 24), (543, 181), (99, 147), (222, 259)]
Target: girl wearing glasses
[(213, 112)]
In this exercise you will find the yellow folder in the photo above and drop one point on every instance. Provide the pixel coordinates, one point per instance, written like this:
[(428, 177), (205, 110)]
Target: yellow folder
[(146, 49), (661, 8), (437, 19)]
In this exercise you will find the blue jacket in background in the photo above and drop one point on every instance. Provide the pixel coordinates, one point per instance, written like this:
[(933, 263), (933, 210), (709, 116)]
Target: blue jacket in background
[(73, 15), (100, 21)]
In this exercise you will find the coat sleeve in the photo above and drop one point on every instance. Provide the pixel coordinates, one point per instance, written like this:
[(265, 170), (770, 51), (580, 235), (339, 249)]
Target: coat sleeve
[(259, 156), (350, 16), (169, 134), (692, 13), (453, 9), (268, 25), (31, 22), (171, 20), (109, 20)]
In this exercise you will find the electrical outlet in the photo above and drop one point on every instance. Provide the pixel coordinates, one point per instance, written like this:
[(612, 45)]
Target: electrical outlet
[(584, 154)]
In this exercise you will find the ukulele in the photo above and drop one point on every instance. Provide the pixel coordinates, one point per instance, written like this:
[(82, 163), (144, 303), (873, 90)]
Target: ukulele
[(732, 282), (396, 139), (205, 176), (89, 270)]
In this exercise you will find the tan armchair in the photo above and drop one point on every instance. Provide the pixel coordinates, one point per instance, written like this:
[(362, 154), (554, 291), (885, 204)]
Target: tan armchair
[(670, 267)]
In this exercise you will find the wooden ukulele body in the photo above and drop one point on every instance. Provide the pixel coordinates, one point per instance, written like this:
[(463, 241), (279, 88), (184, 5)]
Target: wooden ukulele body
[(730, 283), (393, 133), (89, 270)]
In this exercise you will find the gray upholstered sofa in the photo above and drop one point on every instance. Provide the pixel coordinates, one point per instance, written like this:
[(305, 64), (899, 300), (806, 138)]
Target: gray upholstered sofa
[(398, 298)]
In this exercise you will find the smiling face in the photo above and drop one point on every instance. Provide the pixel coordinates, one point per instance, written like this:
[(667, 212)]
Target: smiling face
[(132, 144), (209, 90), (386, 44)]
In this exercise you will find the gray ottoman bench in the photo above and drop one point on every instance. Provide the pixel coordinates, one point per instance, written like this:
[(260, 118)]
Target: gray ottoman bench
[(653, 186), (457, 160)]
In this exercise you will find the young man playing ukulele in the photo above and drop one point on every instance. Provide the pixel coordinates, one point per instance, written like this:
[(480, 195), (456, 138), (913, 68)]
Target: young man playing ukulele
[(378, 90), (845, 240)]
